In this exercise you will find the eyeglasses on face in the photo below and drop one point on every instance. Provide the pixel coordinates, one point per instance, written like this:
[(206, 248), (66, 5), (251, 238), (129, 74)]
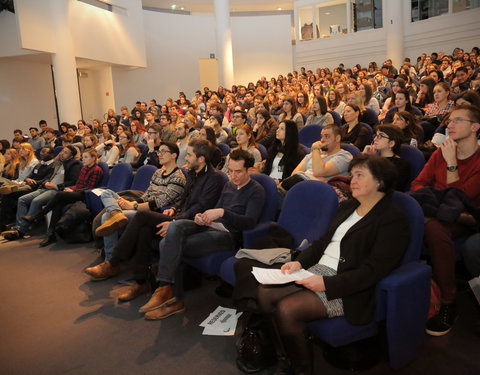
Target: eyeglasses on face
[(380, 135), (457, 120), (161, 152)]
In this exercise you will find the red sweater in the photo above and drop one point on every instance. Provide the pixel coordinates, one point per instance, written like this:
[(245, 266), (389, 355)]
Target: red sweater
[(434, 174)]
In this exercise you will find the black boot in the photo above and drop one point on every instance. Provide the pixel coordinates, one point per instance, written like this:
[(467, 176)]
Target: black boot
[(299, 350), (48, 240), (283, 363)]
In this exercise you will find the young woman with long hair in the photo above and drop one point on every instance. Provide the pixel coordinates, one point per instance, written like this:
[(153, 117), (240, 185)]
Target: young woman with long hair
[(285, 152), (129, 151)]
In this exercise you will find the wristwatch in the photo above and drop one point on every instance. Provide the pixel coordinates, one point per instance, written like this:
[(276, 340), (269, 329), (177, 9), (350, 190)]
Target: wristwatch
[(135, 206), (452, 168)]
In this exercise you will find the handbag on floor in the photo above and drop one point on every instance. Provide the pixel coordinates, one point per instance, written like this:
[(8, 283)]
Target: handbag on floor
[(255, 348)]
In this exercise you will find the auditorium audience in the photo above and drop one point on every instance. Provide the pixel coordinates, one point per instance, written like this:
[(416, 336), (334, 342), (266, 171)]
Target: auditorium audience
[(241, 119)]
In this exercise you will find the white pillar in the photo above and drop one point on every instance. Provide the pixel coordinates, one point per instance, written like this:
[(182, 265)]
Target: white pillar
[(64, 64), (223, 33), (394, 28)]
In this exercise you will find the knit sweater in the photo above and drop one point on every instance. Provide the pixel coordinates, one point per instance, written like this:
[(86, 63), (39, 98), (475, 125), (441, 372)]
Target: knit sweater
[(165, 189)]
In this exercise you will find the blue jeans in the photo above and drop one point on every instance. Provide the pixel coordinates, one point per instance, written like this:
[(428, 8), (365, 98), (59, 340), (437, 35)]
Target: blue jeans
[(109, 200), (185, 238), (31, 204), (110, 241)]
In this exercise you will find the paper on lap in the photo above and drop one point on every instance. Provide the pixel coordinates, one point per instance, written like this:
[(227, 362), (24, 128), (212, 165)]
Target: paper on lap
[(275, 276)]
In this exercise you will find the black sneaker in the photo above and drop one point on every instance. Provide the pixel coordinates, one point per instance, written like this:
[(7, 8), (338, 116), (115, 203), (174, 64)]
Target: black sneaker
[(442, 323), (12, 235)]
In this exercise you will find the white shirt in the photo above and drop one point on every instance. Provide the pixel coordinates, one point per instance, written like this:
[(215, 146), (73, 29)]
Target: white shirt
[(331, 255)]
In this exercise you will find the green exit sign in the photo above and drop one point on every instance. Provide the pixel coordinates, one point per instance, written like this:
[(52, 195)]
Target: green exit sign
[(212, 55)]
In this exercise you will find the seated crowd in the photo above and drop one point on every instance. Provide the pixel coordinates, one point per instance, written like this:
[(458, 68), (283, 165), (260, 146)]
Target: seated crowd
[(366, 119)]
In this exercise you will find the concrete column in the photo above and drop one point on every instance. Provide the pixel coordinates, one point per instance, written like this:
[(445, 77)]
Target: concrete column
[(393, 25), (223, 33), (64, 64)]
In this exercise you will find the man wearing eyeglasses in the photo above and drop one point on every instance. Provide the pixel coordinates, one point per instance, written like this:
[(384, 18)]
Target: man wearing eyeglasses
[(239, 118), (149, 155), (168, 131), (456, 164), (203, 188)]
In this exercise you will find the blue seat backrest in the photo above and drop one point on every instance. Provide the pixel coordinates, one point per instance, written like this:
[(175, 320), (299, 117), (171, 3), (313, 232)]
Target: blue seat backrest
[(308, 209), (106, 173), (416, 222), (271, 196), (350, 148), (142, 147), (415, 158), (263, 150), (142, 178), (120, 177), (337, 119), (224, 148), (309, 134), (57, 150)]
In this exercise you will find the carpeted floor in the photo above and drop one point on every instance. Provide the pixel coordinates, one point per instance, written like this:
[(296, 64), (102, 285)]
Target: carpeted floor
[(54, 321)]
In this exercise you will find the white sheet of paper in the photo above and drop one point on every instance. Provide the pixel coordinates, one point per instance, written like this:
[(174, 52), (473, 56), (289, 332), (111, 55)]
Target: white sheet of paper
[(276, 276), (218, 226), (98, 191)]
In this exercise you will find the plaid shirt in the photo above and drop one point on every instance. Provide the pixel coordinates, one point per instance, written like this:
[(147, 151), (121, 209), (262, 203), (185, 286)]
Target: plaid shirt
[(434, 110), (89, 178)]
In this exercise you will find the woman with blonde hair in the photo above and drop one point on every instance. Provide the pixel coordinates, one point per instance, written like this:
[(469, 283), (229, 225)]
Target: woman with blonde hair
[(90, 140), (27, 161), (12, 165)]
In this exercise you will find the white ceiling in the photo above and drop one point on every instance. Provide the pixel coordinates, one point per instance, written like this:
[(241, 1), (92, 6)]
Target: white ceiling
[(206, 6)]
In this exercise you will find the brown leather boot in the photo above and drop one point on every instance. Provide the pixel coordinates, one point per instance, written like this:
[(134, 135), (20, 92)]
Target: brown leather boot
[(115, 221), (102, 271), (133, 291), (165, 311), (163, 295)]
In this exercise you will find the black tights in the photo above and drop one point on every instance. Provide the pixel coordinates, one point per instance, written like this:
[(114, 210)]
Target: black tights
[(292, 307)]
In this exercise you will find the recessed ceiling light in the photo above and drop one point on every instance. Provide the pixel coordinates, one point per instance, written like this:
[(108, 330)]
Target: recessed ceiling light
[(173, 6), (279, 8), (327, 13), (182, 8)]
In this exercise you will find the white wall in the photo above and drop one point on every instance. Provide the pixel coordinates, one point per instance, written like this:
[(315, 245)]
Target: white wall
[(174, 45), (442, 33), (96, 92), (361, 47), (114, 37), (10, 44), (33, 22), (26, 95), (97, 34), (261, 46)]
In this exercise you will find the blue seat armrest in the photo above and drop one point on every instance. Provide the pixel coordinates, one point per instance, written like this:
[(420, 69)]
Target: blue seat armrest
[(403, 299), (93, 201), (252, 235)]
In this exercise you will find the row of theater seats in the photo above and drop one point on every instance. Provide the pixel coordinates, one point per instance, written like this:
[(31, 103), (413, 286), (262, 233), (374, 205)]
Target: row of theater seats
[(403, 296)]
